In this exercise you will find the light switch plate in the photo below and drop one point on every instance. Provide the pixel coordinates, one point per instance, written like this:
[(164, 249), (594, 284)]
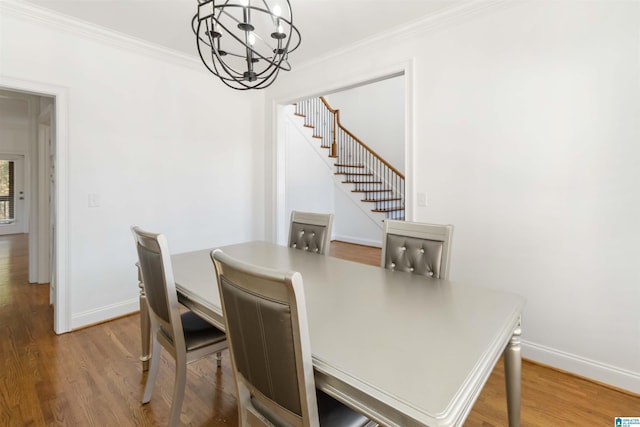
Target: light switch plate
[(94, 200), (422, 199)]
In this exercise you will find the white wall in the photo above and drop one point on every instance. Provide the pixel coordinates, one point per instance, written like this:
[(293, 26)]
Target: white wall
[(14, 125), (161, 142), (375, 114), (352, 224), (309, 178), (526, 130)]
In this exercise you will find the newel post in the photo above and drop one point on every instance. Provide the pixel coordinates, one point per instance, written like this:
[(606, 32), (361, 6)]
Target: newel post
[(334, 145)]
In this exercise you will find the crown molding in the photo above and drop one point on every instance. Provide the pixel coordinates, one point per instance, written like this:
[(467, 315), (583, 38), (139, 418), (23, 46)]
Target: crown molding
[(97, 33), (34, 13), (442, 19)]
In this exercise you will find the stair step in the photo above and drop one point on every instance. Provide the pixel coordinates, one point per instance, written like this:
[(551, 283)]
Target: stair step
[(345, 165), (308, 126), (370, 191), (316, 136), (387, 210), (362, 182), (354, 173), (382, 200), (299, 114)]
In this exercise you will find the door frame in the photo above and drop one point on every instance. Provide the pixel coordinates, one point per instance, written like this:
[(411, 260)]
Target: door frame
[(61, 305), (42, 270)]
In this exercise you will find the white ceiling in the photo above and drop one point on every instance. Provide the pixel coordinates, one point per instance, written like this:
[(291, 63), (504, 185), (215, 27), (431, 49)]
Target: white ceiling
[(325, 25)]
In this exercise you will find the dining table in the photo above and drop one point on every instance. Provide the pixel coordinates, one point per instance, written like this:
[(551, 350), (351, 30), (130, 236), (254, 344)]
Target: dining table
[(401, 348)]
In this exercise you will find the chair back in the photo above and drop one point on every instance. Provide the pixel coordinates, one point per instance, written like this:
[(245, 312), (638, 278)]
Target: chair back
[(266, 321), (310, 231), (159, 284), (418, 248)]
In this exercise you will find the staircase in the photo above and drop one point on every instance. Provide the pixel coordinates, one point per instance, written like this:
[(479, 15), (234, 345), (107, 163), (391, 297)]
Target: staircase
[(380, 184)]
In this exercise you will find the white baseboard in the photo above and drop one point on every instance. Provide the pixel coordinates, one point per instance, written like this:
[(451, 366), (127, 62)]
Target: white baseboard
[(358, 241), (584, 367), (103, 314)]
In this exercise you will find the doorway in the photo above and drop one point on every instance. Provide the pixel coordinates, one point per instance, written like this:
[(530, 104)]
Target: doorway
[(352, 218), (42, 125)]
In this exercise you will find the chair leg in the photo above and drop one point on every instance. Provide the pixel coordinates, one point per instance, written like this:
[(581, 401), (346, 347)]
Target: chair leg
[(219, 358), (178, 391), (153, 371)]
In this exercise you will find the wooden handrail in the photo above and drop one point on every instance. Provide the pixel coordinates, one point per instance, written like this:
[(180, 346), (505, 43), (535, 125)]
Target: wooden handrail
[(326, 104), (365, 146)]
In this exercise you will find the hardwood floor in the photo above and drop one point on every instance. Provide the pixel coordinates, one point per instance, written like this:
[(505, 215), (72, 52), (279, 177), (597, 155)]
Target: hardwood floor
[(92, 377)]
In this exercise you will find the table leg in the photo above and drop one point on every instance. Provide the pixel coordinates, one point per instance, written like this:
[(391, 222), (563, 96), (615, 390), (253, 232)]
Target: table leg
[(145, 334), (513, 373)]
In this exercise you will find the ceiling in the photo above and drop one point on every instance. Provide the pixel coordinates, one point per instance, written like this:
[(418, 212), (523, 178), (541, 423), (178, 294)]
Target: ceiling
[(325, 25)]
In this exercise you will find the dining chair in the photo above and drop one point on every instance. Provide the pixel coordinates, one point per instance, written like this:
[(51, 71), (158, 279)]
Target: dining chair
[(266, 323), (310, 231), (187, 337), (417, 247)]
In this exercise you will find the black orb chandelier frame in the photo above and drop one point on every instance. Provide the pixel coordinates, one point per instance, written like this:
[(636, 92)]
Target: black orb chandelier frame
[(245, 42)]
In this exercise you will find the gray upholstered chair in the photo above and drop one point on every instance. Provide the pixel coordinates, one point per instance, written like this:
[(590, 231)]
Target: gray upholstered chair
[(266, 322), (310, 231), (186, 336), (417, 248)]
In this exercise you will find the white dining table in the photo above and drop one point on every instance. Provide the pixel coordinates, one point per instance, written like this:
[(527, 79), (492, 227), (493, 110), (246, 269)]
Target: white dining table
[(403, 349)]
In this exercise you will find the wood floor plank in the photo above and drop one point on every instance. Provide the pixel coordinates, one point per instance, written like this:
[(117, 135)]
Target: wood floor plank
[(92, 377)]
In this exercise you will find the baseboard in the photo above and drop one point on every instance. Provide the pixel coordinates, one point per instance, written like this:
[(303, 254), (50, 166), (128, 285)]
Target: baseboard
[(103, 314), (591, 369), (358, 241)]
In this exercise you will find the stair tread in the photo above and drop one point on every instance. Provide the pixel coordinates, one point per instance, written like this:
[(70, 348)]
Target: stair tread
[(369, 191), (362, 182), (387, 210), (354, 173), (382, 200), (345, 165)]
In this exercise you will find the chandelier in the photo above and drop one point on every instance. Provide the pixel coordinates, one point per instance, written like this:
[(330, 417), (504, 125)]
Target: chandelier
[(245, 42)]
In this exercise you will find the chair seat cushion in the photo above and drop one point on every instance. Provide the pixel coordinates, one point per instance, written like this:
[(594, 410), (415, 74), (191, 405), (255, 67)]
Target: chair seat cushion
[(333, 413), (198, 332)]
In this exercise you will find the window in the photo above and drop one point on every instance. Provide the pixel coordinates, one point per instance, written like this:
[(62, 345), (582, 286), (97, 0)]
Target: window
[(7, 192)]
